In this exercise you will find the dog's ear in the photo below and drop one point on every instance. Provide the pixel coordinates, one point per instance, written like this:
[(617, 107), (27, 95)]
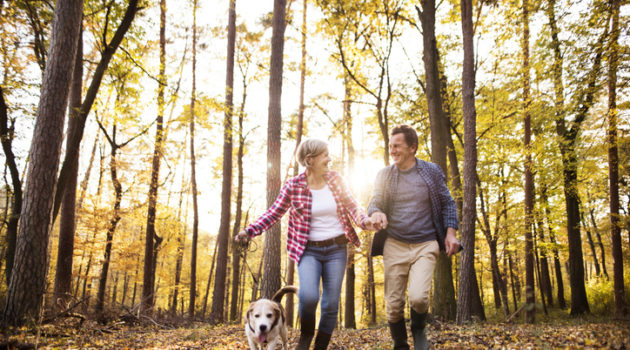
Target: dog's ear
[(249, 311)]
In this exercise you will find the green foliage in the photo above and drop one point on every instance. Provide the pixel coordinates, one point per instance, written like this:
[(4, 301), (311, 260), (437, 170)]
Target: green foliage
[(601, 294)]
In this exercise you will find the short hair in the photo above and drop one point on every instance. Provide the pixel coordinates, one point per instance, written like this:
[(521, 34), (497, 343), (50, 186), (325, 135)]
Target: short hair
[(411, 137), (310, 148)]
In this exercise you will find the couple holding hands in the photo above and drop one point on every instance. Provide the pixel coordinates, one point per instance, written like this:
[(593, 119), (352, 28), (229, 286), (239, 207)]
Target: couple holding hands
[(413, 211)]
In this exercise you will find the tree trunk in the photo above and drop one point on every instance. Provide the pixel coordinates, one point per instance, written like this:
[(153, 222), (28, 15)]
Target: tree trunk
[(65, 248), (349, 317), (613, 163), (102, 282), (530, 297), (218, 295), (6, 137), (212, 265), (272, 261), (236, 280), (591, 243), (90, 96), (552, 238), (149, 274), (289, 305), (467, 277), (193, 176), (28, 278), (568, 136), (599, 241), (439, 134)]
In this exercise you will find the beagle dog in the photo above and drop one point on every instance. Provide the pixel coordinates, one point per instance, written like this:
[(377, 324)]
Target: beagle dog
[(265, 322)]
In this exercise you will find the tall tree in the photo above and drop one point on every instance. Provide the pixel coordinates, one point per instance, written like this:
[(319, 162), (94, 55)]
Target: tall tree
[(149, 271), (272, 262), (298, 139), (193, 175), (443, 302), (613, 160), (349, 316), (115, 146), (65, 248), (568, 133), (530, 296), (28, 280), (218, 295), (467, 277), (6, 137), (108, 50)]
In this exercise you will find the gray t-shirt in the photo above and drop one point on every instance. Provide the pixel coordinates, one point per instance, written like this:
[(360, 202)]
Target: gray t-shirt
[(409, 219)]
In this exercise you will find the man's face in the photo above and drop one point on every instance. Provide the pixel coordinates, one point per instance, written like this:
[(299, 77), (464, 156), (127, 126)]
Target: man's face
[(402, 154)]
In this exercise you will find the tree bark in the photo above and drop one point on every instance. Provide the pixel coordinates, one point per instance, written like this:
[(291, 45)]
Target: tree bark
[(28, 279), (272, 262), (599, 241), (149, 271), (439, 134), (6, 137), (113, 168), (530, 296), (65, 249), (218, 295), (613, 163), (235, 310), (467, 277), (349, 317), (556, 258), (193, 175)]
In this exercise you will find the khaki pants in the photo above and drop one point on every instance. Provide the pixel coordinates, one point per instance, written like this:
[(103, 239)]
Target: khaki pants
[(408, 262)]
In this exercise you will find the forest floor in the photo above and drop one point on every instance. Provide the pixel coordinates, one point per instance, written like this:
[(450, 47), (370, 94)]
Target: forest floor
[(564, 334)]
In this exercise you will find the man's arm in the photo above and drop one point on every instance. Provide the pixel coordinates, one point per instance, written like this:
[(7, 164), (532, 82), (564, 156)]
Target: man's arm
[(376, 207)]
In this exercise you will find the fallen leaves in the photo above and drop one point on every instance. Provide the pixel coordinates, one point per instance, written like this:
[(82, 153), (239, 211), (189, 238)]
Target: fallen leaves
[(553, 335)]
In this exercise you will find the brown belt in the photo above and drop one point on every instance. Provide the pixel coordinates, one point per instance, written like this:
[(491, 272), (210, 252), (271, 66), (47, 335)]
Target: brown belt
[(341, 239)]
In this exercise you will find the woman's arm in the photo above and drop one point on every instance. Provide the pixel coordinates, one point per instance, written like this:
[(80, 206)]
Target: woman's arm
[(273, 214), (354, 209)]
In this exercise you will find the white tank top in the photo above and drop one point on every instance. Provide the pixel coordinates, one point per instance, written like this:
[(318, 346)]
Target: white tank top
[(325, 222)]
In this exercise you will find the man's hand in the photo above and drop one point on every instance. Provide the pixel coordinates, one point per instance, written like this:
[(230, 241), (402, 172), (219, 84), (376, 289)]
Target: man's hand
[(451, 243), (242, 237), (369, 224), (379, 220)]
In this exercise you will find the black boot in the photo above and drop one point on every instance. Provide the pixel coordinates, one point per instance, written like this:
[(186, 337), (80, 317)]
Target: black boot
[(307, 330), (399, 334), (321, 341), (418, 324)]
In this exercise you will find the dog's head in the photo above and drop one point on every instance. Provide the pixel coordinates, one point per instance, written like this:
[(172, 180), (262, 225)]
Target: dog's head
[(262, 317)]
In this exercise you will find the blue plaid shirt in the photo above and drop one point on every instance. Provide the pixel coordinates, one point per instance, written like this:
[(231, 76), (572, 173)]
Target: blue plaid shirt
[(442, 203)]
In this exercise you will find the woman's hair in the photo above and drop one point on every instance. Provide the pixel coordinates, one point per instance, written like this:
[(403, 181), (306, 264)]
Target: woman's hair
[(310, 148)]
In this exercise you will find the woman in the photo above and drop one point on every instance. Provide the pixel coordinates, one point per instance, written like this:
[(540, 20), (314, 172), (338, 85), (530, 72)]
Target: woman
[(320, 207)]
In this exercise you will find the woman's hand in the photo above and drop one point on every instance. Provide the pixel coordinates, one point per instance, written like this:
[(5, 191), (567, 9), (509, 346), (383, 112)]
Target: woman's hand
[(369, 224), (242, 237)]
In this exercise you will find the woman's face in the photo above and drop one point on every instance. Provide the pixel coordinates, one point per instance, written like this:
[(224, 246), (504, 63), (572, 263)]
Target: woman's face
[(319, 164)]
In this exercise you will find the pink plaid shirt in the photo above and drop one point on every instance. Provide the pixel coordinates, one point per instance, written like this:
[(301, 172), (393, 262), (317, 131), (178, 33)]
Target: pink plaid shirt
[(297, 198)]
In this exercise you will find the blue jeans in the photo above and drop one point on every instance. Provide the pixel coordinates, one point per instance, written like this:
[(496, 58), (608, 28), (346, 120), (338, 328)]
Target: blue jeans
[(327, 264)]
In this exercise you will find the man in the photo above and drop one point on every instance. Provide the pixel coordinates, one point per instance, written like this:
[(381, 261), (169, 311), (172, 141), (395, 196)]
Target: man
[(414, 208)]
